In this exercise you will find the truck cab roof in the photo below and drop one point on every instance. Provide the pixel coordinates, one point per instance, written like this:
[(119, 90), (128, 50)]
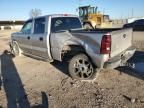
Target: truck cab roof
[(56, 15)]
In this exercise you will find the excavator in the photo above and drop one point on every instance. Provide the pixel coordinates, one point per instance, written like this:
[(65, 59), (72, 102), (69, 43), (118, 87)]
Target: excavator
[(92, 19)]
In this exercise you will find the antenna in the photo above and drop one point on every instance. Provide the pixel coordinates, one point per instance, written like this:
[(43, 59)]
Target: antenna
[(79, 3)]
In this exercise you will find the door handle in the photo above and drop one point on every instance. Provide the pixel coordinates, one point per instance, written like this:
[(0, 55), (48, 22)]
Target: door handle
[(28, 37), (41, 38)]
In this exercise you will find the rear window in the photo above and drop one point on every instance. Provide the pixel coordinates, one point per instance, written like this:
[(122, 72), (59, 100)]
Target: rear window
[(65, 23)]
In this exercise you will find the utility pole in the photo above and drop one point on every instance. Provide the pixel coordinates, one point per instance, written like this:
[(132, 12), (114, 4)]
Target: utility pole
[(103, 11), (128, 16), (121, 15), (132, 13)]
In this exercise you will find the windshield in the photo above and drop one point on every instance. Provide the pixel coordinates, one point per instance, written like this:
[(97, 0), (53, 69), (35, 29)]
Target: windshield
[(87, 10), (91, 10), (65, 23)]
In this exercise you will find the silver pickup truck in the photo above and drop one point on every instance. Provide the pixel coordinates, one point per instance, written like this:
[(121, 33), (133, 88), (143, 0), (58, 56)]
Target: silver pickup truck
[(61, 37)]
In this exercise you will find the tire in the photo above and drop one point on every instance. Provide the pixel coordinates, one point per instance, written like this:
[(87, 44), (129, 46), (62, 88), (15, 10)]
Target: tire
[(15, 50), (81, 68), (88, 26)]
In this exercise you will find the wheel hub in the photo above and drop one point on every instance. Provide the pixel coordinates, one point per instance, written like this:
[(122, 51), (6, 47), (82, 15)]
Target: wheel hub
[(83, 68)]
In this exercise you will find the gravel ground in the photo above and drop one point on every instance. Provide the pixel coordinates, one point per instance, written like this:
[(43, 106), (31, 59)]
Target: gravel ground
[(31, 83)]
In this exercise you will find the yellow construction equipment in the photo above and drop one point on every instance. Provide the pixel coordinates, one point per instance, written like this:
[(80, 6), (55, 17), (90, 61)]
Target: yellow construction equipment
[(92, 19)]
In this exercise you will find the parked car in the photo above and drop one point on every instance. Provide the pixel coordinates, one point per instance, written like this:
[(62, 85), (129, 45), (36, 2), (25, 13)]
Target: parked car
[(137, 25), (61, 37)]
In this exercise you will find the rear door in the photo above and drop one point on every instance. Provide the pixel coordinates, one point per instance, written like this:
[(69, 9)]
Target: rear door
[(121, 40), (24, 37), (39, 38)]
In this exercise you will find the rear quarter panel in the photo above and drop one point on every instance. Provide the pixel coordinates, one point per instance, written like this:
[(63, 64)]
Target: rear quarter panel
[(91, 42)]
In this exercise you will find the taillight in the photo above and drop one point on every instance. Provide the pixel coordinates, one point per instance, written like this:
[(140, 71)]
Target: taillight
[(65, 14), (106, 44)]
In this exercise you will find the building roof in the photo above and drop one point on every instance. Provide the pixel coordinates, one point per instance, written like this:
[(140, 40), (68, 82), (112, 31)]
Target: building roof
[(2, 23)]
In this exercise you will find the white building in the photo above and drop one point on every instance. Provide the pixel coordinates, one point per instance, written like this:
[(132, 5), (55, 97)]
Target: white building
[(130, 20), (5, 25)]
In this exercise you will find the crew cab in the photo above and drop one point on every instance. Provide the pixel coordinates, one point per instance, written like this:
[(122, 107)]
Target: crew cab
[(62, 38)]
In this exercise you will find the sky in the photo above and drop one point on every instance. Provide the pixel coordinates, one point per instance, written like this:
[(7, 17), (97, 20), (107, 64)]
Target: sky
[(20, 9)]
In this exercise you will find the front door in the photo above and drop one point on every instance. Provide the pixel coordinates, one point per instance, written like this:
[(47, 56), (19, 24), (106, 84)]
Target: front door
[(24, 37)]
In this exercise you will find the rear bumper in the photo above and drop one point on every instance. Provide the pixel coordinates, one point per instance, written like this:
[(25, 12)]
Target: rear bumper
[(121, 59)]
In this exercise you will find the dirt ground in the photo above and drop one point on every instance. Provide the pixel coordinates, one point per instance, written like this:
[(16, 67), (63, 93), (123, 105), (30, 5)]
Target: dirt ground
[(29, 83)]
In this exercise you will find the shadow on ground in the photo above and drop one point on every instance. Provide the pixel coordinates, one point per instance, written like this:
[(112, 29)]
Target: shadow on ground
[(138, 70), (62, 66), (137, 59), (0, 79), (15, 93), (44, 101), (13, 86)]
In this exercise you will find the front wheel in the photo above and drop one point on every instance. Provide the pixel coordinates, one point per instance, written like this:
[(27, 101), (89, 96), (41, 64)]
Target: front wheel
[(15, 50), (80, 67)]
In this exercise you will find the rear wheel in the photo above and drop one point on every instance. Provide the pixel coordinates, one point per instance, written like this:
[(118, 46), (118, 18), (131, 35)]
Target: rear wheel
[(80, 67), (88, 26)]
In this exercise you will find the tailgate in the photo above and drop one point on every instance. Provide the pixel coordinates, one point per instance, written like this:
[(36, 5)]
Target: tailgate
[(121, 40)]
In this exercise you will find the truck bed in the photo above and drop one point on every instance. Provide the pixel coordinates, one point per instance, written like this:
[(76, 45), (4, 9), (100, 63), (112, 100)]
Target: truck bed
[(121, 39), (104, 30)]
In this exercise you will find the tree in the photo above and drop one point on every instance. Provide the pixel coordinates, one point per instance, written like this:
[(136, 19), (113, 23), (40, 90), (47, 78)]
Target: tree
[(35, 13)]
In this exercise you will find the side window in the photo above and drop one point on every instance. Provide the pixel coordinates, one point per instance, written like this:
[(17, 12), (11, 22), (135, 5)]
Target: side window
[(27, 27), (138, 25), (39, 26), (142, 22), (138, 22)]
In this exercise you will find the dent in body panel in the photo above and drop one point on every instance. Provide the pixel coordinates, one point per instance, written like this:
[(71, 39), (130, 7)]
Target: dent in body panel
[(57, 43), (91, 46), (97, 58)]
